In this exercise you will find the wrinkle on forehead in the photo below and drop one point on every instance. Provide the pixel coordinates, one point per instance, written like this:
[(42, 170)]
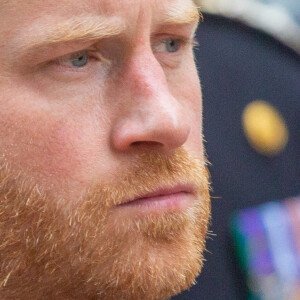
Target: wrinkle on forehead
[(98, 5)]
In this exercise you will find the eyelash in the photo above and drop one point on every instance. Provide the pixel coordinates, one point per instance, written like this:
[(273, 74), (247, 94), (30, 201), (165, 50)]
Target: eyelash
[(92, 55), (183, 43)]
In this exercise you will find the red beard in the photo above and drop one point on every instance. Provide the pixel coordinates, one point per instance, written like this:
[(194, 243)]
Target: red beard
[(50, 249)]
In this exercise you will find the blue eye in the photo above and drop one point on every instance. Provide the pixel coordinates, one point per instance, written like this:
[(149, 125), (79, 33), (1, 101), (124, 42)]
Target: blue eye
[(172, 45), (79, 60), (168, 45)]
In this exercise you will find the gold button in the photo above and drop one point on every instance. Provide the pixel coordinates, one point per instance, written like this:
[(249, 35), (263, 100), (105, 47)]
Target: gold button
[(265, 128)]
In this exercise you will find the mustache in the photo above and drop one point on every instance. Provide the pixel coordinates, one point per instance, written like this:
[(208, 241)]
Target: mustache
[(148, 173)]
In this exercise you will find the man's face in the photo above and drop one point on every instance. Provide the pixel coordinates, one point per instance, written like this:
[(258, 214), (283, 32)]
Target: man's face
[(103, 188)]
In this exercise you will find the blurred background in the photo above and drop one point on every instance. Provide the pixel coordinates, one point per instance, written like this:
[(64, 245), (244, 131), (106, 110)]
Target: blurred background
[(249, 64)]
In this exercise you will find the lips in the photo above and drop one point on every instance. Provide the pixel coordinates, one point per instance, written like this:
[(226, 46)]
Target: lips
[(168, 198)]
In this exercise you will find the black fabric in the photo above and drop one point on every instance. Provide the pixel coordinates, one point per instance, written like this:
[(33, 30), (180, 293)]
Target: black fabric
[(238, 65)]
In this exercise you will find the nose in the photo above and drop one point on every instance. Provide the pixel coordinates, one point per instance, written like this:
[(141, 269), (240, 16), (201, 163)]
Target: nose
[(150, 115)]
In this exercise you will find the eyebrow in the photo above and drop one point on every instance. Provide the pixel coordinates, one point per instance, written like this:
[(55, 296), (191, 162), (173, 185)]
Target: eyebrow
[(82, 28), (182, 13)]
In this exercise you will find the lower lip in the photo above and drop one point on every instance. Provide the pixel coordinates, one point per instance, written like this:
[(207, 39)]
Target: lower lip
[(164, 203)]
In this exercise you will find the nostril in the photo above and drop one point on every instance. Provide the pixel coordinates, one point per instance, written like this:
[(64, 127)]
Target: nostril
[(146, 143)]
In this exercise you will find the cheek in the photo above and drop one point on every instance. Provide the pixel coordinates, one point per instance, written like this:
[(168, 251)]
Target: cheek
[(55, 150), (195, 140), (60, 147)]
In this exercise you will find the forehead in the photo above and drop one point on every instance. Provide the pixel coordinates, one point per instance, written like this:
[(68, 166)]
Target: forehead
[(63, 8), (65, 17)]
